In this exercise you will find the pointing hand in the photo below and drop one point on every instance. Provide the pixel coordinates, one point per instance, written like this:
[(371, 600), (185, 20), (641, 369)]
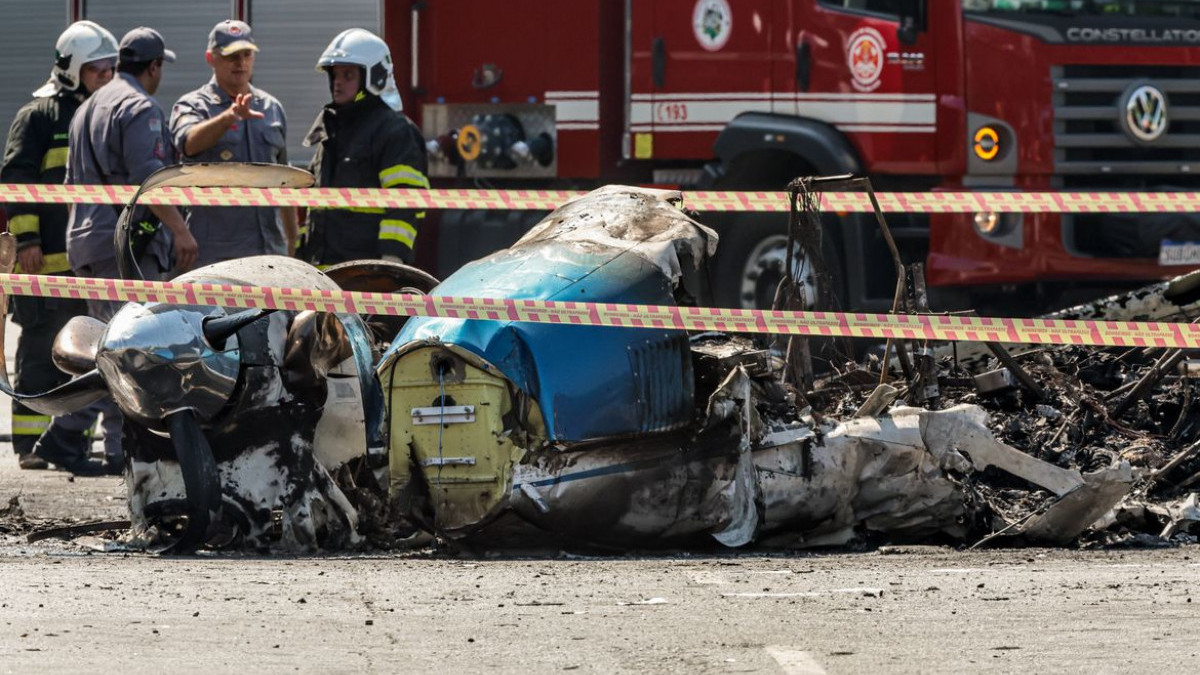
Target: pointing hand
[(241, 108)]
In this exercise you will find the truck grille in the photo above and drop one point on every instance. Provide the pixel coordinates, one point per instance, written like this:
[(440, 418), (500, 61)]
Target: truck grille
[(1090, 135)]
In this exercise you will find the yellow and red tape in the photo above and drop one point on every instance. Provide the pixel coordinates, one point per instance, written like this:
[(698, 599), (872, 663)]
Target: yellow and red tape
[(539, 200), (879, 326)]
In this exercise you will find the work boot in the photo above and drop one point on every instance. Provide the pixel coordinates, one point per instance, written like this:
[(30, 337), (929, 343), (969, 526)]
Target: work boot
[(114, 466), (79, 466), (68, 451), (28, 460)]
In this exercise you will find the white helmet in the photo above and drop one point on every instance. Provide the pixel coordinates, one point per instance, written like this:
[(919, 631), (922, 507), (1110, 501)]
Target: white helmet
[(82, 42), (362, 48)]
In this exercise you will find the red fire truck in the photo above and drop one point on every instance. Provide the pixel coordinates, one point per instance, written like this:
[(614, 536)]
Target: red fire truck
[(729, 94)]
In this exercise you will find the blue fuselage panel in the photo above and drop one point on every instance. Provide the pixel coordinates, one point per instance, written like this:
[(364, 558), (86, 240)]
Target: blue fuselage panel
[(590, 381)]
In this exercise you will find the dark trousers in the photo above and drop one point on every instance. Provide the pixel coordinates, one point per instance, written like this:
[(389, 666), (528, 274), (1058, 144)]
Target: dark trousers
[(40, 320)]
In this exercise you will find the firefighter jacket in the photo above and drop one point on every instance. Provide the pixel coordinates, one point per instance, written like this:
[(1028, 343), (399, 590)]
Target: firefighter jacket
[(37, 153), (364, 144)]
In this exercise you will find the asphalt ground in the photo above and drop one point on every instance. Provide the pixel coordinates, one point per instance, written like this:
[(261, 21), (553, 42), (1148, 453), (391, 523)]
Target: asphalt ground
[(81, 606)]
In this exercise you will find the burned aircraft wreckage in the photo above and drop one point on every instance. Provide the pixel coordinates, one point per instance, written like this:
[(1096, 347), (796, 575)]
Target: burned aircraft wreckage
[(506, 433), (509, 435)]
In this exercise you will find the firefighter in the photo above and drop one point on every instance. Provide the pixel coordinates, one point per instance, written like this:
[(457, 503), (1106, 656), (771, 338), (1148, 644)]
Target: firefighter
[(362, 140), (230, 120), (85, 56)]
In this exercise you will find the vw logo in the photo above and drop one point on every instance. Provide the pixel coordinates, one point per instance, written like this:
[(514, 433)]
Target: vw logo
[(1145, 113)]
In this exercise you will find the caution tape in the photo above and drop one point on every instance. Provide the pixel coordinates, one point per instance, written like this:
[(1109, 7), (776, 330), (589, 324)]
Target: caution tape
[(816, 324), (545, 200)]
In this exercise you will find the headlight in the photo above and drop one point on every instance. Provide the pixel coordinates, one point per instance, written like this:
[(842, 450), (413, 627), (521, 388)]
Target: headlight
[(994, 225), (987, 222), (986, 143)]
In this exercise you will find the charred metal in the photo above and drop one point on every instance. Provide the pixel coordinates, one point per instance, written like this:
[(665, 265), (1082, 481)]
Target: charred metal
[(298, 431)]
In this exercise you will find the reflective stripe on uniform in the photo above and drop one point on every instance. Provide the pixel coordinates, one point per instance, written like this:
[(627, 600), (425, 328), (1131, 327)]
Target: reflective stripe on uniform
[(52, 263), (26, 223), (29, 425), (402, 174), (55, 157), (398, 230)]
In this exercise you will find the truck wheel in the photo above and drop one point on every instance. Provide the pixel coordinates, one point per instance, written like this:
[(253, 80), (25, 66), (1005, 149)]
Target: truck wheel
[(752, 259)]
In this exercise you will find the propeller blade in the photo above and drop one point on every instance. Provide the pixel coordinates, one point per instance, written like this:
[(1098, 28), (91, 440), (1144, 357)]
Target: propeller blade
[(64, 399), (217, 174), (218, 330), (200, 479)]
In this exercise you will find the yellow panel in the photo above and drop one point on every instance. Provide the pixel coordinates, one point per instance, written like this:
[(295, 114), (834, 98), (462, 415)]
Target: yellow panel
[(643, 146), (463, 494)]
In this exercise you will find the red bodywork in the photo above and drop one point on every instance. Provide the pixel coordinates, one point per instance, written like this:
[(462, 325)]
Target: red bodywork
[(905, 109), (1009, 75)]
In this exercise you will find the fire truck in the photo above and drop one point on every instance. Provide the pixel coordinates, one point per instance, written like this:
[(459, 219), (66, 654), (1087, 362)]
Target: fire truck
[(920, 95), (747, 94)]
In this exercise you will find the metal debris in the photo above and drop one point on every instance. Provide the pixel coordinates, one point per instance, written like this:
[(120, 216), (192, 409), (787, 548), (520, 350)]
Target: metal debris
[(664, 439), (503, 435)]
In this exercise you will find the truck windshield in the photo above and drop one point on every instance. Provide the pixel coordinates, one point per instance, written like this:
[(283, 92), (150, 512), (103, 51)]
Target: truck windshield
[(1101, 8)]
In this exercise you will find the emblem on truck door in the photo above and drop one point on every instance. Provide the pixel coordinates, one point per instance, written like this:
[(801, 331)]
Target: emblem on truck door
[(712, 21), (1145, 112), (864, 55)]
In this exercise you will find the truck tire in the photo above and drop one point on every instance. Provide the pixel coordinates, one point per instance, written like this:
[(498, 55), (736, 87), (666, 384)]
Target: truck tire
[(752, 257)]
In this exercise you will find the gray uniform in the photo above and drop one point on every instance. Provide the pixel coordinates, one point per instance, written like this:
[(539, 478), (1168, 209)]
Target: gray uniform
[(117, 137), (126, 135), (233, 232)]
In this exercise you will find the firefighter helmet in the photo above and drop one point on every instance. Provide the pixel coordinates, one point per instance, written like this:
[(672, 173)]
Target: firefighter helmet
[(82, 42), (362, 48)]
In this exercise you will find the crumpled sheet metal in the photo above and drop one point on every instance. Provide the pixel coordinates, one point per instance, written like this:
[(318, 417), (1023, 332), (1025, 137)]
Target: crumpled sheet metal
[(298, 420), (962, 441), (1080, 508), (633, 496), (655, 490), (1176, 299), (1184, 514), (258, 484), (645, 222), (877, 473), (1164, 300), (892, 474)]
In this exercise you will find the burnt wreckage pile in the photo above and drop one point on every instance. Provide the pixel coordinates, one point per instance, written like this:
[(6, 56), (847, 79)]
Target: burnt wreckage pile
[(636, 438), (507, 435), (1126, 420)]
